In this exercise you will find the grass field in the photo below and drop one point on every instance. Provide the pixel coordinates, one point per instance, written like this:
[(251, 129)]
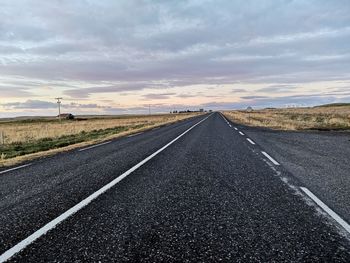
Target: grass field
[(28, 136), (326, 117)]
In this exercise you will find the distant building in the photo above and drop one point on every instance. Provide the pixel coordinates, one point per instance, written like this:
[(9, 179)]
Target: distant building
[(67, 116), (201, 110)]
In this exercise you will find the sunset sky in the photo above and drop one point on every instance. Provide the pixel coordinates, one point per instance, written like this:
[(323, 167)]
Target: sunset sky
[(113, 57)]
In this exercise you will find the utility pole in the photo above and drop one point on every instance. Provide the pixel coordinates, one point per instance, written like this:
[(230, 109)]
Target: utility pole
[(59, 107)]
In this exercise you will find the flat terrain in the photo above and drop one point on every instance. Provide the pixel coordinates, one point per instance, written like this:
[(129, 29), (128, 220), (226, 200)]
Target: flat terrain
[(193, 191), (24, 136), (327, 117), (320, 160)]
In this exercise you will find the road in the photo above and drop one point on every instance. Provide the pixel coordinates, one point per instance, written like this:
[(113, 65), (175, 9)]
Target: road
[(194, 191), (320, 160)]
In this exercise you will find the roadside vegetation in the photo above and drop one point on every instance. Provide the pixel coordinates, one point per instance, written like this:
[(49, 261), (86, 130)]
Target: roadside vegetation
[(23, 137), (325, 117)]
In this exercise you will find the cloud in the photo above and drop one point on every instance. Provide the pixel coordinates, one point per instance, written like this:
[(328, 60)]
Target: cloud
[(166, 39), (238, 90), (74, 105), (39, 104), (86, 92), (97, 47), (15, 92), (278, 88), (187, 95), (158, 96), (30, 104), (253, 97)]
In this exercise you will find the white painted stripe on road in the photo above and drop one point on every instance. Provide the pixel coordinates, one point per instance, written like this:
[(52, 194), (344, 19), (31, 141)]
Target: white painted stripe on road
[(132, 135), (230, 125), (42, 231), (325, 208), (270, 158), (235, 128), (93, 146), (249, 140), (241, 133), (223, 117), (15, 168)]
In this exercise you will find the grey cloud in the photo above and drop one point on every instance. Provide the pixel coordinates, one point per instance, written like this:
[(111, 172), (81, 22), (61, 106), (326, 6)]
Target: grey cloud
[(298, 100), (86, 92), (253, 97), (85, 106), (187, 95), (10, 49), (178, 43), (239, 90), (285, 101), (158, 96), (277, 88), (8, 91), (60, 48), (40, 104), (30, 104), (188, 31)]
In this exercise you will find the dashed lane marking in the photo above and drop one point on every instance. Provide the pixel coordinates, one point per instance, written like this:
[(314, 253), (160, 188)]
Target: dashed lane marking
[(249, 140), (270, 158), (325, 208)]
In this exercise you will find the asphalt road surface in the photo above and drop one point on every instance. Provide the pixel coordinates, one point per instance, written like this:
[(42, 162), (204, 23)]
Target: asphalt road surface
[(194, 191), (320, 160)]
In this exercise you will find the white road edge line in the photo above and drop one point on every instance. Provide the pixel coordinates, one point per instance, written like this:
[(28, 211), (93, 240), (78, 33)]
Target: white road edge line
[(135, 134), (15, 168), (270, 158), (52, 224), (249, 140), (325, 208), (241, 133), (93, 146)]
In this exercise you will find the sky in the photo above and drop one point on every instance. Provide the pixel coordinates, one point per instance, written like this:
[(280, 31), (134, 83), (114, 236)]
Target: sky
[(122, 57)]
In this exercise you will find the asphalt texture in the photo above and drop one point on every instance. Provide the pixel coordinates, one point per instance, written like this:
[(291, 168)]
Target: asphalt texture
[(320, 160), (208, 197)]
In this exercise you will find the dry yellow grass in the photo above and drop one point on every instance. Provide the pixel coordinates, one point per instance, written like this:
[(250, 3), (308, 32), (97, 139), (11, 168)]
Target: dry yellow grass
[(27, 131), (22, 132), (322, 118)]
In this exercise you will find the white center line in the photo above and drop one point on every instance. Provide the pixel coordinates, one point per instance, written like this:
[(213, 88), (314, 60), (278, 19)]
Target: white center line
[(249, 140), (270, 158), (235, 128), (132, 135), (52, 224), (15, 168), (223, 117), (241, 133), (329, 211), (93, 146), (230, 125)]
